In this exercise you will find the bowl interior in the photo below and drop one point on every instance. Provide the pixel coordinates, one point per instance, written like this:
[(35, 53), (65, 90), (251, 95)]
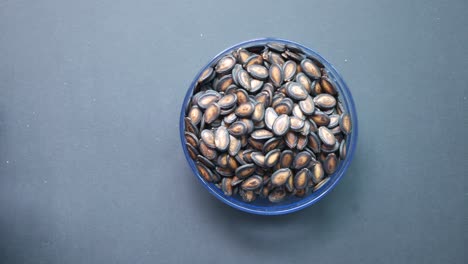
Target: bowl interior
[(292, 203)]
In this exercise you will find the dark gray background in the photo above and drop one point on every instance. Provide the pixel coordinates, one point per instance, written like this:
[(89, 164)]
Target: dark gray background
[(91, 166)]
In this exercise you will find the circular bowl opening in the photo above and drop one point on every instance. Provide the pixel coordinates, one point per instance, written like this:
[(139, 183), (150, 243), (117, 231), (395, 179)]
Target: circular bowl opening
[(291, 204)]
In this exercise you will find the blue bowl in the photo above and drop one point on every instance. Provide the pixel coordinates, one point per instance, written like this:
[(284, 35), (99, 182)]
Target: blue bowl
[(291, 204)]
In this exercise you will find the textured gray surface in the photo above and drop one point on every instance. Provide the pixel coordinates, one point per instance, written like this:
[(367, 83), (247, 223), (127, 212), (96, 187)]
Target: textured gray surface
[(91, 168)]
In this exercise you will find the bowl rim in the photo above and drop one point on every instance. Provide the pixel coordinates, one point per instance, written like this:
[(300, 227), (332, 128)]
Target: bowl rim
[(334, 178)]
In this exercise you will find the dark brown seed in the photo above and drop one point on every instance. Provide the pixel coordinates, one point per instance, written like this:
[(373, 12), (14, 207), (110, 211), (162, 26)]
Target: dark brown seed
[(208, 138), (206, 162), (290, 139), (345, 123), (231, 89), (296, 123), (330, 164), (325, 101), (314, 142), (334, 120), (257, 144), (293, 56), (245, 109), (223, 160), (310, 69), (316, 88), (189, 126), (248, 124), (276, 46), (307, 105), (326, 136), (244, 141), (227, 101), (271, 144), (224, 83), (304, 81), (297, 112), (252, 183), (224, 112), (277, 195), (301, 179), (296, 91), (279, 177), (258, 113), (206, 76), (301, 160), (281, 125), (336, 131), (243, 55), (195, 114), (209, 153), (301, 142), (225, 64), (234, 146), (263, 98), (212, 113), (328, 86), (277, 99), (207, 99), (261, 134), (193, 152), (283, 108), (258, 71), (247, 196), (242, 96), (230, 118), (320, 184), (222, 138), (204, 172), (270, 117), (191, 139), (275, 58), (343, 149), (269, 88), (236, 181), (255, 85), (289, 70), (276, 75), (254, 59), (313, 126), (258, 158), (245, 171), (317, 173), (286, 159), (244, 79), (226, 186), (272, 158), (320, 118), (240, 158), (306, 129), (237, 128), (289, 185)]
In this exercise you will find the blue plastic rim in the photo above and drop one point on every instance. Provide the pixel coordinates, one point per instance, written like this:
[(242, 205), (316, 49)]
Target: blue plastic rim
[(292, 204)]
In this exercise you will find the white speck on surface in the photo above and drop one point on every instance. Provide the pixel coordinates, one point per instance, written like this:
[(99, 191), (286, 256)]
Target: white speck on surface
[(27, 125), (7, 162), (33, 112), (201, 35), (94, 99), (345, 60), (45, 181)]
